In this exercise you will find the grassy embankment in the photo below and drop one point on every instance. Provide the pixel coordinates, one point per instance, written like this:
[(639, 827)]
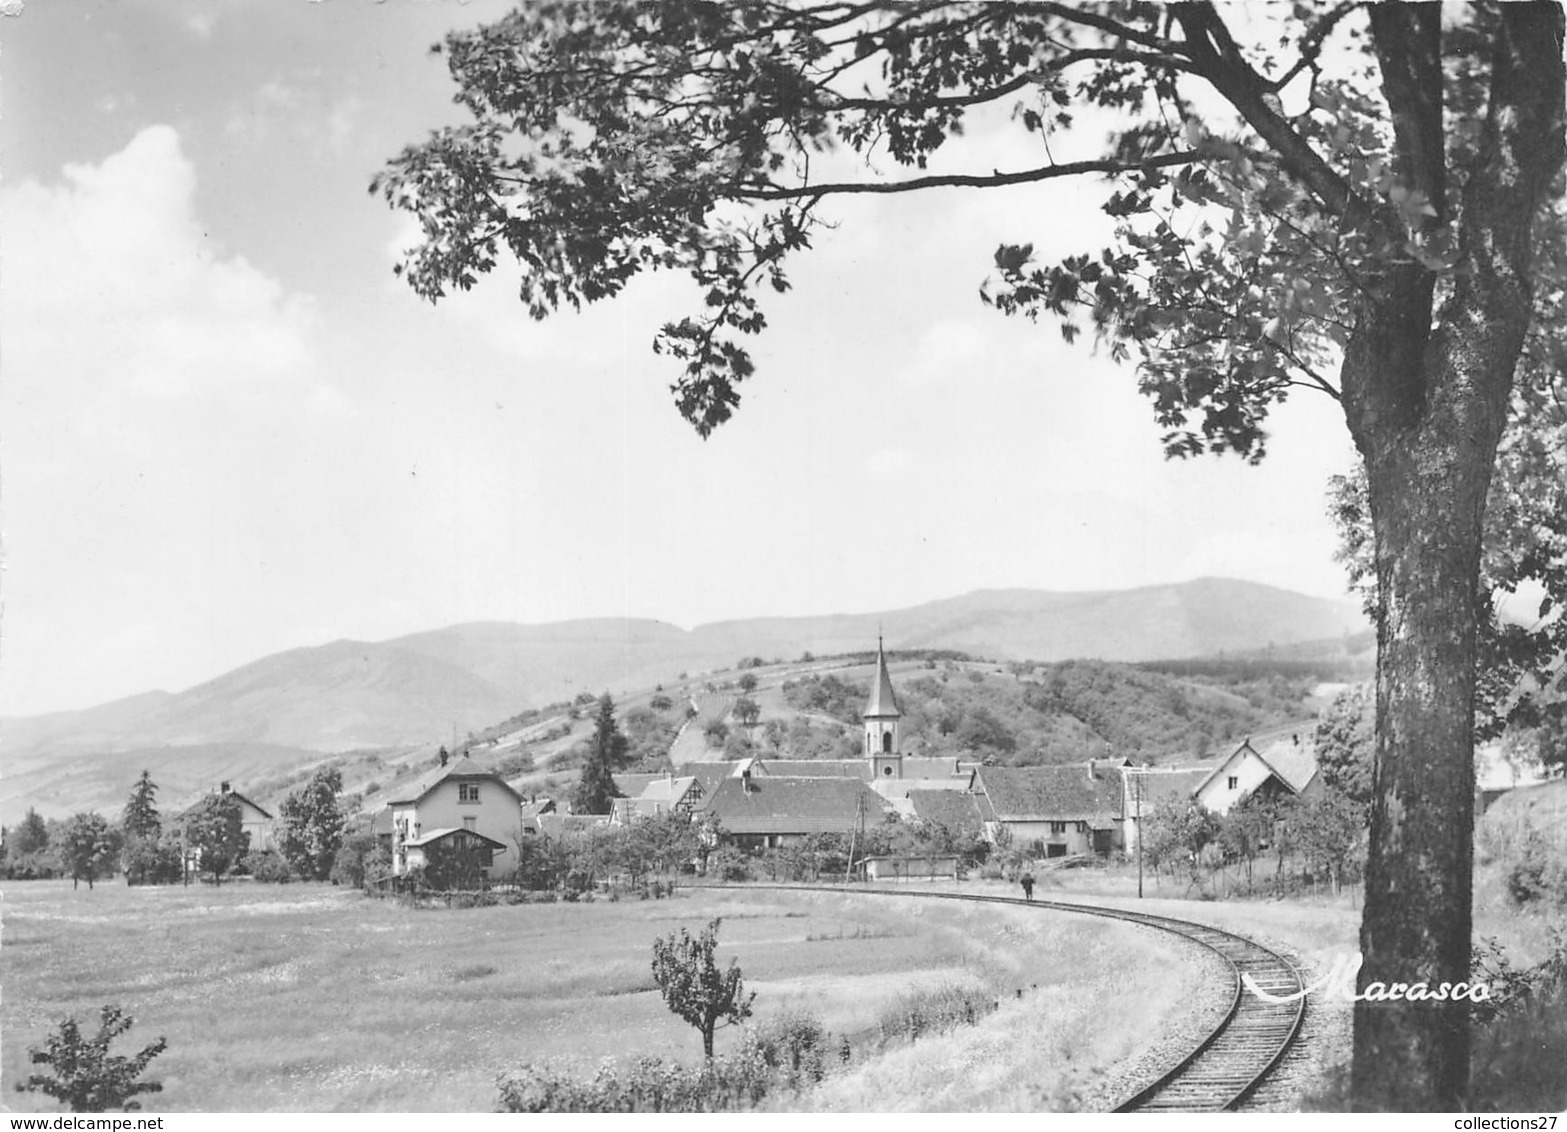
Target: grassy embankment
[(312, 998)]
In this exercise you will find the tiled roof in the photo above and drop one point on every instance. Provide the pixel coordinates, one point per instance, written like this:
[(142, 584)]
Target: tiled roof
[(710, 774), (1159, 784), (460, 767), (955, 810), (814, 768), (668, 790), (631, 785), (884, 701), (1294, 762), (555, 825), (1050, 793), (793, 805), (538, 806), (921, 767), (440, 834)]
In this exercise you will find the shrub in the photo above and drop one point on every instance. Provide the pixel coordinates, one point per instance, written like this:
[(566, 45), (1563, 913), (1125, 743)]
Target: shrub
[(148, 860), (934, 1011), (267, 866), (86, 1078), (794, 1046), (726, 1084)]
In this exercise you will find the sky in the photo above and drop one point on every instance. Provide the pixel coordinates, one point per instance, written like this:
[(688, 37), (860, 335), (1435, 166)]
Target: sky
[(226, 429)]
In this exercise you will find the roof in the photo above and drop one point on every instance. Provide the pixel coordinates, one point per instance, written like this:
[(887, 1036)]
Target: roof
[(670, 790), (1050, 793), (630, 785), (710, 774), (538, 806), (923, 767), (382, 822), (793, 805), (557, 825), (957, 811), (883, 703), (460, 767), (435, 835), (1292, 763), (235, 794), (815, 768), (1158, 784)]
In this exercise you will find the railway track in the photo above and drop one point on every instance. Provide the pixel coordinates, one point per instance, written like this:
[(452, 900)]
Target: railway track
[(1238, 1054)]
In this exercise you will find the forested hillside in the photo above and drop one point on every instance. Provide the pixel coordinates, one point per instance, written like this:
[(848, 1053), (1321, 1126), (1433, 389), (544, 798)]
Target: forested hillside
[(1060, 712)]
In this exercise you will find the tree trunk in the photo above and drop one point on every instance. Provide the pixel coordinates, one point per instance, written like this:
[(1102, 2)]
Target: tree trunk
[(1427, 497), (707, 1042)]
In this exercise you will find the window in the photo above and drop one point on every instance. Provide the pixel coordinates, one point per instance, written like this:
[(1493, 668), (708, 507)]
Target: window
[(471, 824), (467, 791), (1235, 781), (887, 770), (1058, 827)]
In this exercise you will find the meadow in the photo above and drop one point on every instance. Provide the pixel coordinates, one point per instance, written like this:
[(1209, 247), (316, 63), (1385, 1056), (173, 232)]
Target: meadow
[(313, 998)]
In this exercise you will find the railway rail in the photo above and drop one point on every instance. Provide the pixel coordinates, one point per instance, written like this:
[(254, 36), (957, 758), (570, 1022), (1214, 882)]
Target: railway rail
[(1239, 1053)]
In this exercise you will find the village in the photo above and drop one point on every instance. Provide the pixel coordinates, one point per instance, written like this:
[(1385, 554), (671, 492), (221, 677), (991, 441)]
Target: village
[(1094, 809)]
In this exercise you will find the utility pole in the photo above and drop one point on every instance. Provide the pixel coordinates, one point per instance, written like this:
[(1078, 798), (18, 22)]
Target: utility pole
[(1138, 779)]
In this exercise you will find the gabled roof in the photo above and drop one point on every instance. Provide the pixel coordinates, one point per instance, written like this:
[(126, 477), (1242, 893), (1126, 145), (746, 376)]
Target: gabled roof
[(670, 790), (435, 835), (813, 768), (538, 806), (460, 767), (1050, 793), (235, 794), (883, 703), (1293, 764), (955, 810), (793, 805)]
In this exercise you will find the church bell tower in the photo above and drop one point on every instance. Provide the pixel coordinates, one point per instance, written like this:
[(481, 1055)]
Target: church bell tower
[(881, 717)]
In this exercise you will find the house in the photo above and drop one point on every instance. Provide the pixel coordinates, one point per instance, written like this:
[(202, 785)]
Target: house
[(763, 812), (1066, 810), (666, 794), (256, 823), (896, 867), (1287, 766), (458, 795)]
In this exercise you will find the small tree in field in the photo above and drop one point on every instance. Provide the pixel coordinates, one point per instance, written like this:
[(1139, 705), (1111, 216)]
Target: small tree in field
[(86, 1078), (89, 846), (693, 986)]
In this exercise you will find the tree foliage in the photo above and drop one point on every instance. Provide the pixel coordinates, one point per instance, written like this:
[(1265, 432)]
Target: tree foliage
[(29, 837), (88, 848), (85, 1077), (215, 833), (312, 825), (1346, 743), (694, 988)]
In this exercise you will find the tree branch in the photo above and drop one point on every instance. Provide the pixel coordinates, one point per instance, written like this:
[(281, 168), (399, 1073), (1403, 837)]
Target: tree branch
[(966, 180)]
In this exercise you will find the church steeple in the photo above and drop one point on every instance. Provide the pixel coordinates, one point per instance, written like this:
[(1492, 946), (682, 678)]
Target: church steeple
[(881, 717)]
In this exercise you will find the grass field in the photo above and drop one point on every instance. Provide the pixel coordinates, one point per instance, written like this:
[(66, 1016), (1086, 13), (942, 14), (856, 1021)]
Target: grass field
[(315, 998)]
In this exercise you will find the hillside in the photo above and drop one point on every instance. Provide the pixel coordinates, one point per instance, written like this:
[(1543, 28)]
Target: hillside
[(426, 688)]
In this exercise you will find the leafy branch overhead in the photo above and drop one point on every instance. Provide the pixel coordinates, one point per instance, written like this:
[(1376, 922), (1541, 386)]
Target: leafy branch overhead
[(616, 137)]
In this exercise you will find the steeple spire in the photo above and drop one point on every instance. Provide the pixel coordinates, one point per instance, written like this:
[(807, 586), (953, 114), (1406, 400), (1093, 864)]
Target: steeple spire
[(883, 703)]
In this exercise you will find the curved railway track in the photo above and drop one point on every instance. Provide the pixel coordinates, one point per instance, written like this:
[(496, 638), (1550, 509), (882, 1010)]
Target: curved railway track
[(1238, 1054)]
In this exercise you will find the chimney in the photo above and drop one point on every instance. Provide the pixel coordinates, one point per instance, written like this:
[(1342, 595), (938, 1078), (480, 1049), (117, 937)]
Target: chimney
[(745, 781), (443, 755), (224, 789)]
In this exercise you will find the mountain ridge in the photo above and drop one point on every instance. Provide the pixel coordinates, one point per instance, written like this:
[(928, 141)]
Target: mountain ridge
[(429, 686)]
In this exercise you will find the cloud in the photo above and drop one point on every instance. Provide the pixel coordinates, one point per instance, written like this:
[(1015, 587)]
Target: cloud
[(112, 279)]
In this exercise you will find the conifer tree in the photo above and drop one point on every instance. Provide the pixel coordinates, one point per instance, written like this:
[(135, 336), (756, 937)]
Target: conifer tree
[(607, 753), (141, 814)]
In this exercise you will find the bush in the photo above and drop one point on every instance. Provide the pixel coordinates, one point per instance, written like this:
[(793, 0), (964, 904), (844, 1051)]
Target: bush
[(794, 1045), (267, 866), (725, 1084), (87, 1078), (935, 1011), (150, 861)]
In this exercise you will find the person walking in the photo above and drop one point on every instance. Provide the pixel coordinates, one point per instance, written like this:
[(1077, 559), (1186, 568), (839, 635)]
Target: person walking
[(1027, 881)]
